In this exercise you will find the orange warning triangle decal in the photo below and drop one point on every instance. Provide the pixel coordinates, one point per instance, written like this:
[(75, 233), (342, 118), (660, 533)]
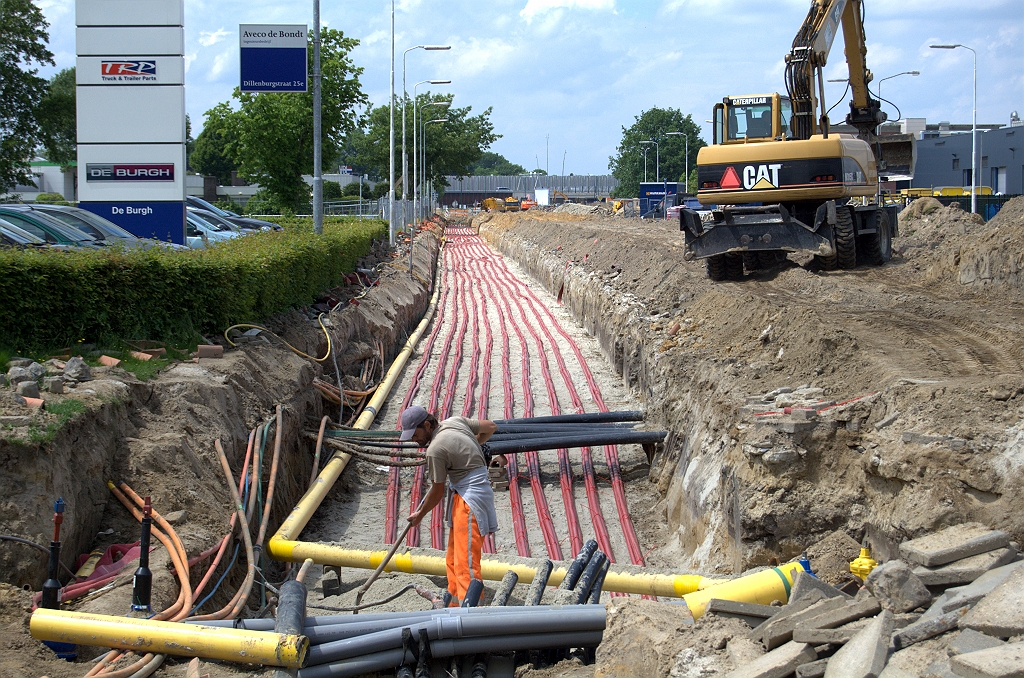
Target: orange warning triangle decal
[(730, 179)]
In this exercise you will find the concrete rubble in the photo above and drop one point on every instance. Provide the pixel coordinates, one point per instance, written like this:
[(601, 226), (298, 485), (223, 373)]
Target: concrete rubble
[(958, 594)]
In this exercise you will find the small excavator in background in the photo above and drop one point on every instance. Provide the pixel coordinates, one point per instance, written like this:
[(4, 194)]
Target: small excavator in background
[(781, 182)]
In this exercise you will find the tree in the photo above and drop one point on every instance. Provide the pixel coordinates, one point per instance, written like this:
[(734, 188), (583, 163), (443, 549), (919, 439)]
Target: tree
[(56, 115), (494, 164), (452, 146), (275, 131), (22, 46), (627, 164), (215, 152), (190, 143)]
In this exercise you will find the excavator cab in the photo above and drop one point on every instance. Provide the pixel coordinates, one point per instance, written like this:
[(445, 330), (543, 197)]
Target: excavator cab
[(754, 118)]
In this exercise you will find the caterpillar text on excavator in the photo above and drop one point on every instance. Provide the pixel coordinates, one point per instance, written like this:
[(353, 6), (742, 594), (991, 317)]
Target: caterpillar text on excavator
[(781, 182)]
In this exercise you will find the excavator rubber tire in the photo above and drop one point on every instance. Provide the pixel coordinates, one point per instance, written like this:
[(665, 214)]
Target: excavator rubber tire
[(715, 266), (770, 259), (876, 248), (751, 261), (846, 239), (734, 266)]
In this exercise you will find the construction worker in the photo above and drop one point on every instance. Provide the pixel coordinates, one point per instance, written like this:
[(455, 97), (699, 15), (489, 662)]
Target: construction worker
[(454, 456)]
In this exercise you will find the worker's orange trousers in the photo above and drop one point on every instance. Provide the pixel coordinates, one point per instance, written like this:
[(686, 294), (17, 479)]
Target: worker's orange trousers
[(464, 546)]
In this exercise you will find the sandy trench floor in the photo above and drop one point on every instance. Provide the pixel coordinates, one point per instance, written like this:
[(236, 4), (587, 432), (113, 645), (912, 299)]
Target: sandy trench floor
[(486, 292)]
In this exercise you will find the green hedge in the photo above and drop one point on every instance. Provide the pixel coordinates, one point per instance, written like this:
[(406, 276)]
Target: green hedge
[(50, 299)]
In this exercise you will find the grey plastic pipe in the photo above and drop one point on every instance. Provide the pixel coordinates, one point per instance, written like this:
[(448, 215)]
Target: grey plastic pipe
[(402, 617), (577, 619), (389, 659)]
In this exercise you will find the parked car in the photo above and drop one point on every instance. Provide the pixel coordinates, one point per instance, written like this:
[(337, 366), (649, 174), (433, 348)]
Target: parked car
[(105, 232), (199, 233), (212, 218), (12, 235), (46, 227), (247, 223)]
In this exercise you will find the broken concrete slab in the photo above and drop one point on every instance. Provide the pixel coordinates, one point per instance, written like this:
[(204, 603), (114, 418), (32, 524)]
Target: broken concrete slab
[(865, 655), (803, 583), (814, 669), (966, 570), (27, 389), (927, 628), (752, 613), (778, 663), (891, 671), (897, 588), (939, 669), (1001, 612), (779, 629), (1006, 661), (823, 636), (77, 369), (953, 543), (981, 587), (969, 640), (845, 614)]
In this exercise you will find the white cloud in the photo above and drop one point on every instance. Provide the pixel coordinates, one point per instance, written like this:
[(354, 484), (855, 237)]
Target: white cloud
[(211, 38), (536, 7)]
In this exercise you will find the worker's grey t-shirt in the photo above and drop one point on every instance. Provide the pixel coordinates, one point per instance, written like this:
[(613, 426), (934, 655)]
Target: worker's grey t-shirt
[(454, 451)]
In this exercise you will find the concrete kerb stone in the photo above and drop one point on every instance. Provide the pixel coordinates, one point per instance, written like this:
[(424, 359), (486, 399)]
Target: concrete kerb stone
[(866, 653), (1006, 661), (815, 669), (891, 671), (751, 613), (823, 636), (779, 629), (966, 570), (953, 543), (927, 628), (843, 615), (896, 586), (780, 662), (969, 640), (1001, 612), (981, 587)]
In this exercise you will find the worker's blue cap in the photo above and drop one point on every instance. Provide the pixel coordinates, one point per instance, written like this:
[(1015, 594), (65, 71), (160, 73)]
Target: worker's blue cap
[(412, 417)]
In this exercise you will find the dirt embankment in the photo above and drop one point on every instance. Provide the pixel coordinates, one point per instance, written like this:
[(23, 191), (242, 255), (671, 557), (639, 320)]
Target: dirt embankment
[(158, 437), (903, 383)]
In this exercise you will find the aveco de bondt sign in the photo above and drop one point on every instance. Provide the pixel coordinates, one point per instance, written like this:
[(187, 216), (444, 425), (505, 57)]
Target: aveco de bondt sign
[(273, 57), (131, 67)]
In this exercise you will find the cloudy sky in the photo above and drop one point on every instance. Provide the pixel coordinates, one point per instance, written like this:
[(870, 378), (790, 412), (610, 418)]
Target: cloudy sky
[(578, 70)]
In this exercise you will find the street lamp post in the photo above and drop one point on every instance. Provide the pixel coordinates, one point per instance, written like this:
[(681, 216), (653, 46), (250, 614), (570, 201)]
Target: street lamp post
[(415, 152), (318, 176), (392, 235), (405, 96), (913, 73), (974, 128)]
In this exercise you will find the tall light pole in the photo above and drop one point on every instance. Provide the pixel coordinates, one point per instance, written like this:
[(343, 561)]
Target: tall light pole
[(318, 175), (392, 234), (657, 159), (405, 96), (974, 128), (686, 138), (428, 122), (913, 73), (415, 152)]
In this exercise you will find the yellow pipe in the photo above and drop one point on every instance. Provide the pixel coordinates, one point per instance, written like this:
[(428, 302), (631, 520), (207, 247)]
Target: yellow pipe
[(281, 545), (158, 637), (762, 588), (493, 568)]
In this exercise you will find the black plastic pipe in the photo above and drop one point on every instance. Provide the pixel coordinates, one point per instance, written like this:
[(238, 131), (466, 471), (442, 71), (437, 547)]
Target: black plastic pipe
[(473, 593), (142, 584), (531, 428), (508, 582), (595, 589), (589, 576), (51, 587), (576, 567), (291, 611), (558, 442), (585, 619), (587, 418), (540, 580)]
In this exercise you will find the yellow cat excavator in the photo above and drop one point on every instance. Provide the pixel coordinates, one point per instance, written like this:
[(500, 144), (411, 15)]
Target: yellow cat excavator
[(781, 181)]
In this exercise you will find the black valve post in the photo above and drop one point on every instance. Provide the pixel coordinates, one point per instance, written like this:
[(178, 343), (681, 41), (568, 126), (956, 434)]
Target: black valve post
[(51, 587), (142, 586)]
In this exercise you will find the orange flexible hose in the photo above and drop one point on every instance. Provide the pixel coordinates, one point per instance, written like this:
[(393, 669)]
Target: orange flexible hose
[(319, 446), (243, 591)]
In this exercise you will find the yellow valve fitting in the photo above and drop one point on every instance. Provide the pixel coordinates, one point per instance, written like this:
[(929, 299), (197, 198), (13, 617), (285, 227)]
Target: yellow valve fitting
[(863, 565)]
